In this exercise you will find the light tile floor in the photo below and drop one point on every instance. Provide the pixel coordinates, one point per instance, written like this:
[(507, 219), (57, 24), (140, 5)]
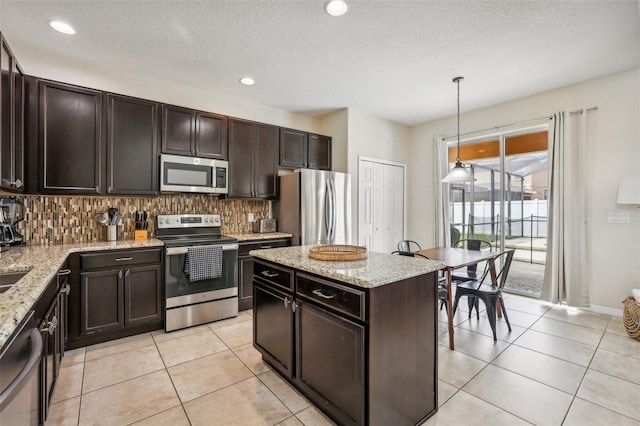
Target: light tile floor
[(558, 366)]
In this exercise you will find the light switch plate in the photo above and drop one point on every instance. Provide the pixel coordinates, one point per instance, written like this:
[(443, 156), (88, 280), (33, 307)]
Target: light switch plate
[(250, 217), (619, 217)]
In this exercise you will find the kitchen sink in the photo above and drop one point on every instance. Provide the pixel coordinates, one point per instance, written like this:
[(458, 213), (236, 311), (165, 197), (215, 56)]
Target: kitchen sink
[(7, 279)]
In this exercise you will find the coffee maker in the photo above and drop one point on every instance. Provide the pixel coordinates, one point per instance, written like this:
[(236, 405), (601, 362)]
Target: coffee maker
[(11, 212)]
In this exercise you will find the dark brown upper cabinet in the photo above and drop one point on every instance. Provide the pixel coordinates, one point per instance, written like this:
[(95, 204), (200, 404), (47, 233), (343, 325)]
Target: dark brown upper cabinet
[(69, 139), (293, 148), (11, 121), (132, 145), (299, 149), (319, 152), (253, 159), (190, 132)]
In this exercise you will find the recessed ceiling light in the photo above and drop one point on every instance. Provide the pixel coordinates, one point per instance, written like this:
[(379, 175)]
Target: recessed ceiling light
[(62, 27), (247, 81), (336, 7)]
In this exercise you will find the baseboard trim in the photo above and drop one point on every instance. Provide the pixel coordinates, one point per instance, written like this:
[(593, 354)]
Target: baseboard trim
[(606, 310)]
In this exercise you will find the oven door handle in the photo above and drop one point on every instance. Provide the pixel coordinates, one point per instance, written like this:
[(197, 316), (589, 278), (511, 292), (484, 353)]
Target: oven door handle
[(183, 250)]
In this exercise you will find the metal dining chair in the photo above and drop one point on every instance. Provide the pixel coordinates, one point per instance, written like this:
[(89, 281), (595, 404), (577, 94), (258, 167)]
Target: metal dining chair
[(471, 272), (442, 281), (489, 292)]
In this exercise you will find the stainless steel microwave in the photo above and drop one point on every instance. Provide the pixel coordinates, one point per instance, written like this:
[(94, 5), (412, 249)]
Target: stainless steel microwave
[(193, 174)]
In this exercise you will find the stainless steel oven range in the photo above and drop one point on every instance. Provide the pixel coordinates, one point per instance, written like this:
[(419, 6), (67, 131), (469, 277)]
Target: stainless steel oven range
[(189, 303)]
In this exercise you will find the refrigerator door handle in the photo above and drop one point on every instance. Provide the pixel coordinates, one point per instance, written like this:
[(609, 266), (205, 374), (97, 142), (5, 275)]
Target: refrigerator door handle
[(327, 213), (332, 217)]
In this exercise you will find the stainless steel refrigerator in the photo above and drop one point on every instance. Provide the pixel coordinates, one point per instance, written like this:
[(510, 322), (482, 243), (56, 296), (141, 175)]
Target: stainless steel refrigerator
[(315, 206)]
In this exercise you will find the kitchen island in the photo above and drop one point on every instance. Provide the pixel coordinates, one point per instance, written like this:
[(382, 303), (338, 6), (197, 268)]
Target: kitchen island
[(357, 338)]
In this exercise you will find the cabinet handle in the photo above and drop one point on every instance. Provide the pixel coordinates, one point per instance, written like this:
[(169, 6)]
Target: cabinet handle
[(98, 189), (63, 272), (269, 274), (109, 189), (120, 273), (286, 302), (265, 247), (51, 326), (16, 184), (319, 292), (122, 259), (294, 305), (126, 274)]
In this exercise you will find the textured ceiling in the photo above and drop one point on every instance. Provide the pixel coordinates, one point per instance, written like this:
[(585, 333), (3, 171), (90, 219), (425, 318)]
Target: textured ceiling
[(392, 59)]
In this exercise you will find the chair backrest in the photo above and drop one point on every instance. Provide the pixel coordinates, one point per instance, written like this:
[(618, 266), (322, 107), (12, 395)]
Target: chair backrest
[(473, 244), (455, 235), (408, 245), (501, 277)]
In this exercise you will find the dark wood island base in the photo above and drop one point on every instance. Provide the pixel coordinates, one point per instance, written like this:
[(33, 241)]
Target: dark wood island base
[(363, 355)]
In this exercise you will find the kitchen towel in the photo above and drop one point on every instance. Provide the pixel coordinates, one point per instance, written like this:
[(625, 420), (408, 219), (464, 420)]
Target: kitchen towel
[(203, 263)]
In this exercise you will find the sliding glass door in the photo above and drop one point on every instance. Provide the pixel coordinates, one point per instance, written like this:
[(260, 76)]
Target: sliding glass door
[(507, 203)]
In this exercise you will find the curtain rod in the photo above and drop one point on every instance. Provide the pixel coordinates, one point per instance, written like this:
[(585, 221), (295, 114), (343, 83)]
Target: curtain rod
[(579, 111), (547, 117)]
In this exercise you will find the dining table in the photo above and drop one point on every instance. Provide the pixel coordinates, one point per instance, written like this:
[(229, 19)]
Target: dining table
[(455, 258)]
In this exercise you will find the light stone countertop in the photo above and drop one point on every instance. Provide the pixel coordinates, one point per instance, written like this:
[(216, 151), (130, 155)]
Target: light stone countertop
[(43, 263), (376, 270), (258, 236)]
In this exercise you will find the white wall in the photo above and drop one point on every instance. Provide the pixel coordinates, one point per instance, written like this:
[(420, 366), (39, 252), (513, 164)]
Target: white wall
[(336, 124), (613, 151), (43, 65), (370, 136)]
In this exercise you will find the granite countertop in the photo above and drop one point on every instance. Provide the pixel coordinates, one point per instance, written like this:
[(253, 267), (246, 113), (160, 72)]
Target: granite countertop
[(42, 264), (258, 236), (376, 270)]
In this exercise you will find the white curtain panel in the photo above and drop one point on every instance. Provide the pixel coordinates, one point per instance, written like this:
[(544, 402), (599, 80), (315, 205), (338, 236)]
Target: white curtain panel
[(443, 235), (566, 277)]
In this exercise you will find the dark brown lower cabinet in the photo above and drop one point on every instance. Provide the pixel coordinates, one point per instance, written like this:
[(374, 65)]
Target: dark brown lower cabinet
[(364, 356), (245, 267), (330, 360), (115, 294)]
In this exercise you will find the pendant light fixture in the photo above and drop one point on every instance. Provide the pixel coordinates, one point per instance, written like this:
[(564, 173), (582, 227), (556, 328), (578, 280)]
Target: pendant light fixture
[(458, 174)]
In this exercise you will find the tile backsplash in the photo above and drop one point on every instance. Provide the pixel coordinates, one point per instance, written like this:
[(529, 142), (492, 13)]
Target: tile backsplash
[(70, 219)]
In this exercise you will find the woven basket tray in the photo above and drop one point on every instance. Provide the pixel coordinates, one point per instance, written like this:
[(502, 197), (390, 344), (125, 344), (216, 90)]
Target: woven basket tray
[(631, 317), (338, 252)]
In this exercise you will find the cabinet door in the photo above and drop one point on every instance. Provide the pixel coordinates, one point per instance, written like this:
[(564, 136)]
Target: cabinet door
[(178, 130), (245, 282), (319, 152), (101, 301), (132, 146), (293, 149), (273, 327), (11, 121), (211, 136), (6, 113), (142, 295), (70, 142), (330, 359), (241, 158), (266, 161)]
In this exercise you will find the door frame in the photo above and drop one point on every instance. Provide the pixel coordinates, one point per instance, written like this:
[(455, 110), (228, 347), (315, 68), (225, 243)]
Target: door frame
[(404, 191)]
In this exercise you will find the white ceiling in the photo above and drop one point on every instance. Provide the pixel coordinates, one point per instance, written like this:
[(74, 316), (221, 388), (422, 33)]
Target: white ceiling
[(392, 59)]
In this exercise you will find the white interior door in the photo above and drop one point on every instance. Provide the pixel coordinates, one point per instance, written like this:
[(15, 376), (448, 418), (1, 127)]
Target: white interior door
[(380, 204)]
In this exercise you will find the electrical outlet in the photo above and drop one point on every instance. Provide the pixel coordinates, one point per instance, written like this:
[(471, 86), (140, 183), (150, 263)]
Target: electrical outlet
[(250, 217)]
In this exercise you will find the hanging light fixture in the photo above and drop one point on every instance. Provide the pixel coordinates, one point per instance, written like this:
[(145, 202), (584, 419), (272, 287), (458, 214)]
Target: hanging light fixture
[(458, 174)]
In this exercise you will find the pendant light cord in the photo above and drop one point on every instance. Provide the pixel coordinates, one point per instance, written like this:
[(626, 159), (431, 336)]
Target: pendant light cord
[(457, 80)]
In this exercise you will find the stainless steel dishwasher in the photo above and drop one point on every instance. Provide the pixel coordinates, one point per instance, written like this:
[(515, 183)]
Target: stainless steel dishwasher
[(19, 379)]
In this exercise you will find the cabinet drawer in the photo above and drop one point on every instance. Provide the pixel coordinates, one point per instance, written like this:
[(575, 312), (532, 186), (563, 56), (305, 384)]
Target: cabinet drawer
[(118, 258), (342, 299), (245, 248), (273, 274)]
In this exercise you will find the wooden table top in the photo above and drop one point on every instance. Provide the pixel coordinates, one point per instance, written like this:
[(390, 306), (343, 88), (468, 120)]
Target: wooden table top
[(458, 257)]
